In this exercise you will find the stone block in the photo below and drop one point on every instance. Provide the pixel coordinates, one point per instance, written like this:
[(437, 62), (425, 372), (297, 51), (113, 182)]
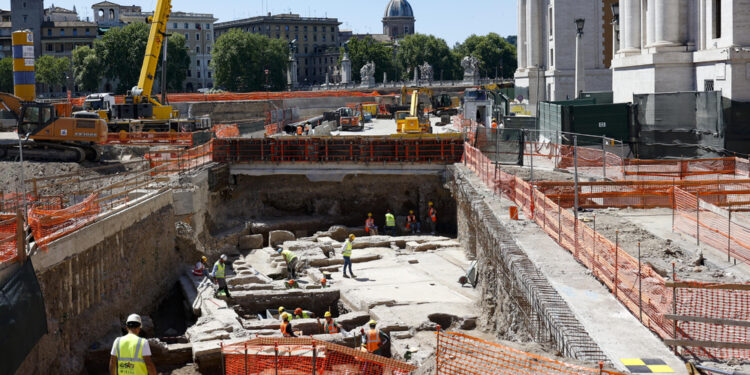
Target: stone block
[(251, 242), (278, 237)]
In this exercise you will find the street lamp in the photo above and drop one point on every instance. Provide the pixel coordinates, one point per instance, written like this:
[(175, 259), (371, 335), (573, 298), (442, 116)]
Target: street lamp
[(579, 81)]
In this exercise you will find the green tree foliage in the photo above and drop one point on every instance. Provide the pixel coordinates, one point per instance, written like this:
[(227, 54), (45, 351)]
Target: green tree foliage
[(239, 60), (6, 75), (493, 52), (121, 51), (86, 68), (51, 70), (178, 62), (362, 51), (415, 50)]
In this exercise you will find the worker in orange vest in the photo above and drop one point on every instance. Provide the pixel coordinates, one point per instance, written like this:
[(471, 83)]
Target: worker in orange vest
[(494, 123), (330, 326), (286, 327), (370, 227), (412, 223), (432, 213), (375, 341), (299, 129)]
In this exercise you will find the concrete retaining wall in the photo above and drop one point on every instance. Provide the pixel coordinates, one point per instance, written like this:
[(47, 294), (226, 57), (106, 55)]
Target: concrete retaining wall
[(95, 277)]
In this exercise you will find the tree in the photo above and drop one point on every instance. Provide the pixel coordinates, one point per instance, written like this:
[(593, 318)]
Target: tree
[(239, 60), (415, 50), (86, 68), (362, 51), (52, 71), (121, 51), (178, 62), (6, 75), (493, 52)]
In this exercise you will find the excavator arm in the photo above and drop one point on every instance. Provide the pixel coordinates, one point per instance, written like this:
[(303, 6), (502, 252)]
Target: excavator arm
[(156, 39), (12, 104)]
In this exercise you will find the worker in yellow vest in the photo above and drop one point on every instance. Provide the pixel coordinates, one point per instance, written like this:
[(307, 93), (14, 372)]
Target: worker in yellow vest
[(303, 314), (131, 354), (390, 223), (291, 261), (219, 274), (346, 252), (375, 341), (330, 326)]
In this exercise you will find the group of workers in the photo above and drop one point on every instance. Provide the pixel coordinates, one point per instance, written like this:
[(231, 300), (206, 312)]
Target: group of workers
[(413, 224), (218, 273), (304, 129)]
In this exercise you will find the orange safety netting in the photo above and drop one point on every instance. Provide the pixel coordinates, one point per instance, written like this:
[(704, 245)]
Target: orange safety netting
[(711, 303), (462, 354), (165, 162), (8, 239), (301, 356), (681, 169), (226, 131), (49, 225), (231, 96), (182, 139)]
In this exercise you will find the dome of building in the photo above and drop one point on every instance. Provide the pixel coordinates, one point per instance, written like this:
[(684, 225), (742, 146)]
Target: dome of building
[(398, 8)]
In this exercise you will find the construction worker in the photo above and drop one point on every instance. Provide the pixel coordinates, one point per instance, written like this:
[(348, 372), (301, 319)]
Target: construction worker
[(494, 123), (292, 284), (286, 326), (291, 261), (299, 129), (219, 275), (375, 341), (390, 223), (281, 312), (303, 314), (201, 268), (330, 326), (308, 127), (432, 213), (370, 226), (131, 354), (324, 283), (346, 251), (412, 223)]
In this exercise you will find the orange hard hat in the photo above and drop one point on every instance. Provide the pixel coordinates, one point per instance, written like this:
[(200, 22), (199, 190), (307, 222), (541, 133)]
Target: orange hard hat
[(291, 282), (324, 281), (298, 311)]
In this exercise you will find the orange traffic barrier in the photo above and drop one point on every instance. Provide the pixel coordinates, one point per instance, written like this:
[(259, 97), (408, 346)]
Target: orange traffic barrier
[(182, 139)]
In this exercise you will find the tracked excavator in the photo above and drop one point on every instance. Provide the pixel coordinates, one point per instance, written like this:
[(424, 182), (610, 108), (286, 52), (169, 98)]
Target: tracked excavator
[(47, 137)]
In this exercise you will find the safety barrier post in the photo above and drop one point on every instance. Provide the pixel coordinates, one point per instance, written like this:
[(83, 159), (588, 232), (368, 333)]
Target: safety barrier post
[(698, 217), (245, 359), (221, 348), (593, 239), (276, 357), (437, 352), (640, 289), (729, 235), (674, 204), (314, 357), (617, 252), (674, 303), (559, 222)]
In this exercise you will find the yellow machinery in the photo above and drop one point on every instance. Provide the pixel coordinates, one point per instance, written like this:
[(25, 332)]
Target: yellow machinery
[(415, 122), (53, 138)]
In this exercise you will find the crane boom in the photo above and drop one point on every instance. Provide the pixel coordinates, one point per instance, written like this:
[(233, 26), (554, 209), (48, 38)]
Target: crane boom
[(156, 39)]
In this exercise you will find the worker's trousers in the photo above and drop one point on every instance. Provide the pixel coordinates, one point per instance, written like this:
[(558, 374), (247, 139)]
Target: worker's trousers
[(223, 286), (348, 262), (390, 231), (433, 224), (292, 267)]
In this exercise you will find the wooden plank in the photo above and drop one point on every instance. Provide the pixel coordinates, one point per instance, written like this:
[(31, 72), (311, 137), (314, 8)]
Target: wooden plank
[(681, 284), (730, 322), (707, 344)]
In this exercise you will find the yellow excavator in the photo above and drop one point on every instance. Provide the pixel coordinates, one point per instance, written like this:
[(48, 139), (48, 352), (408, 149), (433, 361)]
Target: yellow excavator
[(414, 121), (47, 137), (140, 110)]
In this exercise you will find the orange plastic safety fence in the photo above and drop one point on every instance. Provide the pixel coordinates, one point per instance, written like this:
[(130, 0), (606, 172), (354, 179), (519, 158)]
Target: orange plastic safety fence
[(227, 131), (298, 356), (8, 244), (231, 96), (462, 354), (168, 162), (49, 225), (692, 169), (698, 301), (13, 201), (182, 139)]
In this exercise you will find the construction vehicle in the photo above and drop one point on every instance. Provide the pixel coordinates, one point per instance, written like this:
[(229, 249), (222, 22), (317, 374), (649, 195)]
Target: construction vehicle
[(416, 121), (140, 111), (349, 120), (101, 103), (47, 137), (444, 104), (403, 103)]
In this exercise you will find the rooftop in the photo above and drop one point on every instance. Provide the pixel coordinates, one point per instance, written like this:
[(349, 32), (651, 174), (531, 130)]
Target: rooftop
[(286, 17)]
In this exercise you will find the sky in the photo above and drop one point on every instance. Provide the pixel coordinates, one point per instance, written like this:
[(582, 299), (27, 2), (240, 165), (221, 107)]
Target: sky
[(452, 20)]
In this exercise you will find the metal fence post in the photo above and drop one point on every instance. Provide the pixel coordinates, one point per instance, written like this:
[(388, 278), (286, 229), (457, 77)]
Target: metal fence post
[(617, 251), (640, 289), (674, 302), (245, 359), (437, 352), (604, 157), (559, 222), (729, 235), (314, 357), (276, 358), (698, 217), (531, 156), (221, 348)]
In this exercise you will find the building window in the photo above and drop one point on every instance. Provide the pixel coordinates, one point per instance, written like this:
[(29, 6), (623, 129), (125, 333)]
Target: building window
[(197, 26), (278, 36), (198, 49), (62, 32), (315, 29), (406, 29), (394, 31), (305, 52), (112, 14), (185, 25), (197, 36), (708, 85), (197, 62), (174, 25), (208, 49), (305, 37), (87, 31), (189, 73), (49, 32), (304, 28), (551, 57), (49, 47), (286, 28), (324, 37), (209, 74), (296, 28), (208, 36), (332, 29), (717, 19), (75, 32), (315, 37), (549, 21), (198, 74), (278, 27), (208, 26)]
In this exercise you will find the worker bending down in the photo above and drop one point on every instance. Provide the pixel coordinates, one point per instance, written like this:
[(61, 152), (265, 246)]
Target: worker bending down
[(330, 326), (219, 274), (131, 354), (303, 314), (375, 341), (291, 262), (286, 326), (412, 223), (346, 252), (370, 227)]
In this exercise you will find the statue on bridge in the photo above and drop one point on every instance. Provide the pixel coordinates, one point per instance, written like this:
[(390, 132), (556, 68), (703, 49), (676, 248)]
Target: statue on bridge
[(425, 72), (368, 74), (471, 72)]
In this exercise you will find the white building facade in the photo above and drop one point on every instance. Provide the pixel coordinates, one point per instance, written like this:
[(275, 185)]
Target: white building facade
[(683, 45), (546, 47)]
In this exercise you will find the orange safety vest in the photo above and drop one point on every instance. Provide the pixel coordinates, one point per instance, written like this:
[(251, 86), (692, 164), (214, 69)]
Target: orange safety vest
[(410, 219), (369, 223), (433, 214), (331, 327), (373, 340), (299, 130), (494, 125), (283, 329)]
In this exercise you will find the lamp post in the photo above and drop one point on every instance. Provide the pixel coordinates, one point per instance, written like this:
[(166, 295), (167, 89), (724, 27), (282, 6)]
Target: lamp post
[(580, 85), (395, 62), (615, 28)]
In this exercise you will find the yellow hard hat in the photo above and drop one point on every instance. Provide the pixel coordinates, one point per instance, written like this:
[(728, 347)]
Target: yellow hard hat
[(372, 322), (204, 259), (327, 314), (285, 316), (351, 236), (281, 309), (369, 214), (430, 203), (411, 211)]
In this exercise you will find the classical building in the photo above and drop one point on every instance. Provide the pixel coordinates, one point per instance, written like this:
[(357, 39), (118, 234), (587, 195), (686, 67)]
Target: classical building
[(317, 41), (63, 31), (107, 14), (28, 15), (683, 45), (398, 20), (546, 47), (5, 42)]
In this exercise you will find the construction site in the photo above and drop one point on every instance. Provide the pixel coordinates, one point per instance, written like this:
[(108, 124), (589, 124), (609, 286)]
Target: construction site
[(218, 228)]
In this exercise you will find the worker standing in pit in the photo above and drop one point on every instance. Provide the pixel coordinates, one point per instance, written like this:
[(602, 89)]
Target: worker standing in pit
[(432, 213), (131, 354), (303, 314), (346, 251), (370, 226), (219, 274), (330, 326), (390, 223), (201, 268), (291, 262), (286, 326), (412, 223), (299, 129), (376, 341), (308, 127)]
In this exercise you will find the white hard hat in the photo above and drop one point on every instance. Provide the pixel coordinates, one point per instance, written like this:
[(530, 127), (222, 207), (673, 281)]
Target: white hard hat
[(223, 256), (134, 318)]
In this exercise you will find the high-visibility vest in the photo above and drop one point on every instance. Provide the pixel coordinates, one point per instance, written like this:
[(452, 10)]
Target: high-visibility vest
[(198, 269), (288, 255), (373, 340), (129, 350), (299, 130), (390, 221), (220, 269), (433, 214), (283, 329), (494, 124), (331, 327), (348, 251), (411, 219), (305, 315), (369, 223)]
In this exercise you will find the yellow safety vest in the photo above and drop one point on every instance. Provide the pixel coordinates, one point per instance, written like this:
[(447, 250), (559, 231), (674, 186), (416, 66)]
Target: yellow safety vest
[(390, 221), (288, 255), (130, 356), (348, 251), (220, 270)]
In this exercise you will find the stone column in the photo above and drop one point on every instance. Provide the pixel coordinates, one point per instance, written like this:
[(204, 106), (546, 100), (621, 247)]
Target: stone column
[(346, 69), (650, 21), (534, 33), (702, 25), (668, 23), (630, 26), (521, 47)]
